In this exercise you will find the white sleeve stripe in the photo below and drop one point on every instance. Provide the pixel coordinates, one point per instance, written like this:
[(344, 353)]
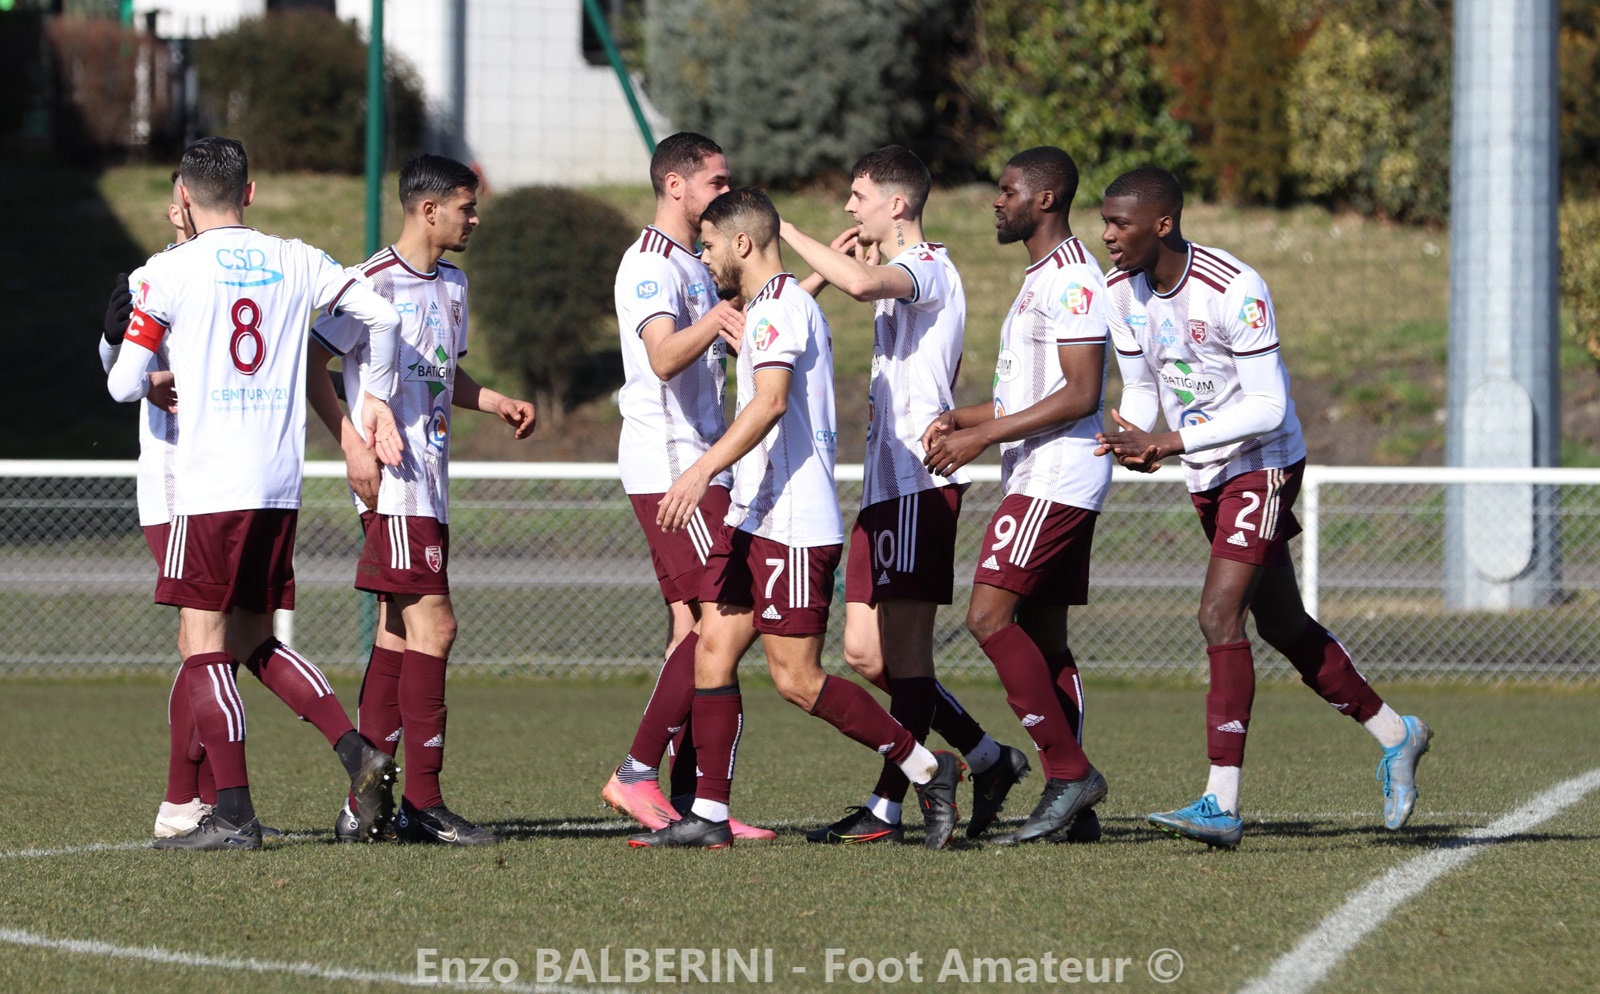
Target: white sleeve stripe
[(916, 285), (646, 320)]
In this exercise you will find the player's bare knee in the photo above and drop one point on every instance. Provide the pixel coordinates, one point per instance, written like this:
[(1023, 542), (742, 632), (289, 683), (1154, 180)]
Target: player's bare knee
[(1219, 625), (983, 622), (863, 657)]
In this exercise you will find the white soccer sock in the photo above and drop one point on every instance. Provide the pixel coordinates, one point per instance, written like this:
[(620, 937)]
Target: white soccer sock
[(710, 810), (1387, 727), (920, 766), (884, 809), (1224, 783), (983, 755)]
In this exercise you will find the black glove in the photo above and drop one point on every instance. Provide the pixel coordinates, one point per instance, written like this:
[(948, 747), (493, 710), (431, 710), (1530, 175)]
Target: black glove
[(119, 311)]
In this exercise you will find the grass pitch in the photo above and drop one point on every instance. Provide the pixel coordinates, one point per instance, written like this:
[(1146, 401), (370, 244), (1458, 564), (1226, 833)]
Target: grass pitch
[(87, 763)]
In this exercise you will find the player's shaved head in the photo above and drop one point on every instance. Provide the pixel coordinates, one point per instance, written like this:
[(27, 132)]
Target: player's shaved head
[(434, 177), (746, 209), (1048, 168), (216, 172), (682, 153), (897, 169), (1150, 185)]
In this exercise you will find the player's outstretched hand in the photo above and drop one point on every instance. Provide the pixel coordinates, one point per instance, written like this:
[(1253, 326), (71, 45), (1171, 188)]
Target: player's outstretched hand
[(1132, 447), (519, 414), (730, 322), (949, 453), (119, 311), (382, 434), (163, 391), (679, 502), (938, 428)]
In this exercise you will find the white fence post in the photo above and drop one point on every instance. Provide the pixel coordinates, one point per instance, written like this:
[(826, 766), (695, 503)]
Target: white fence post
[(1311, 544)]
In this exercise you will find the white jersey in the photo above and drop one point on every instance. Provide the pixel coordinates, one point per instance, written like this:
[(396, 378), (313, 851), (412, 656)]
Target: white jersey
[(783, 488), (916, 353), (158, 431), (1190, 339), (433, 338), (666, 426), (1062, 304), (232, 306)]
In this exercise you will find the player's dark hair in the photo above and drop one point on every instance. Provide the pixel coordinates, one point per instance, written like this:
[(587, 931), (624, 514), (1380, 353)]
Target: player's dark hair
[(746, 209), (1048, 168), (1149, 185), (175, 175), (216, 172), (434, 176), (897, 168), (681, 153)]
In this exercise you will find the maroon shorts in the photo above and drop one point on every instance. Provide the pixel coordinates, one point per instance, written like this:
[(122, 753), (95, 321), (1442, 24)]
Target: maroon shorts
[(789, 589), (230, 559), (680, 557), (905, 549), (1250, 518), (155, 536), (1039, 549), (403, 555)]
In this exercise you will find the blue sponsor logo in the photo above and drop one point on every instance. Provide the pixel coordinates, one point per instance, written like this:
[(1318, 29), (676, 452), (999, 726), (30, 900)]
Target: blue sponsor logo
[(828, 438), (404, 307), (1192, 417), (433, 321), (438, 428), (648, 289), (247, 267), (698, 289), (1137, 320), (1167, 334)]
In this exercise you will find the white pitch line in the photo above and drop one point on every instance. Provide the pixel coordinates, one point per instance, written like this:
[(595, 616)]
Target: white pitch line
[(1322, 949), (154, 954)]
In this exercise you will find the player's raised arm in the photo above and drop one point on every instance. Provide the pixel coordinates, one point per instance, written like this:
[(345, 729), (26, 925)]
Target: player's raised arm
[(855, 276)]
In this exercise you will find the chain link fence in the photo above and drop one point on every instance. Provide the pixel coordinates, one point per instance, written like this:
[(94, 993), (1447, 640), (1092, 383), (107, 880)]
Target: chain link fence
[(551, 576)]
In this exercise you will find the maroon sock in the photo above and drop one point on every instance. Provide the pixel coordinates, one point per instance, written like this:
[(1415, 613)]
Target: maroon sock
[(669, 704), (218, 716), (911, 702), (1228, 701), (378, 702), (183, 770), (953, 724), (1069, 689), (1033, 695), (208, 783), (1326, 668), (684, 771), (851, 710), (422, 714), (299, 684), (718, 723)]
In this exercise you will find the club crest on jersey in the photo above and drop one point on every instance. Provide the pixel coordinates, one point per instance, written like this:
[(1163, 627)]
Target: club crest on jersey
[(435, 557), (1077, 298), (1254, 313), (765, 334), (438, 428), (455, 312), (1027, 299), (647, 289), (1197, 331)]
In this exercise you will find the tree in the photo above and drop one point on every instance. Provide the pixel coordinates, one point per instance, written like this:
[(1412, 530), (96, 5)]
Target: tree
[(541, 292)]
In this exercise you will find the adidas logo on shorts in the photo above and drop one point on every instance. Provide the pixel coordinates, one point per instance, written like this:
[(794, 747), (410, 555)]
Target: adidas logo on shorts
[(991, 563), (883, 578), (771, 613), (1237, 538), (1234, 726)]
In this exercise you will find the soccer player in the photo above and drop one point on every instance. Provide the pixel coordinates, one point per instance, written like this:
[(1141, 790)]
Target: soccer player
[(230, 305), (902, 547), (1196, 338), (675, 336), (190, 790), (770, 571), (405, 509), (1034, 561)]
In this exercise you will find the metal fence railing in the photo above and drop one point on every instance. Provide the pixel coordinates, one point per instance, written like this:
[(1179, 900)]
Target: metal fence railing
[(551, 575)]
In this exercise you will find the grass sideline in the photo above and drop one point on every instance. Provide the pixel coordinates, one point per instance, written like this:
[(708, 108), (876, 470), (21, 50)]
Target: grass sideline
[(529, 757)]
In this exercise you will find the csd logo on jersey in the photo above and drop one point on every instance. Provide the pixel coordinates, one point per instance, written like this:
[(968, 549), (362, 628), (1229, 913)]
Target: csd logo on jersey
[(1077, 299), (246, 267), (1253, 313), (647, 289), (765, 334)]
